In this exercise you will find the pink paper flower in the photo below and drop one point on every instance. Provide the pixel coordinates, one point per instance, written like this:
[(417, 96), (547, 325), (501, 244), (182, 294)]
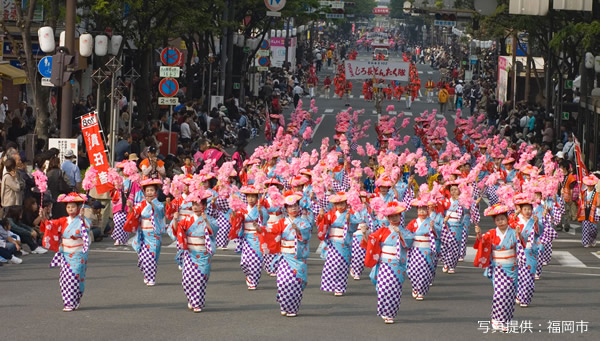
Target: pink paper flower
[(41, 180), (89, 180)]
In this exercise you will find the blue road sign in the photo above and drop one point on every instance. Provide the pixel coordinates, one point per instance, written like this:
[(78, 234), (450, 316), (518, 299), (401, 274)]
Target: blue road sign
[(170, 56), (45, 66), (263, 61), (168, 87)]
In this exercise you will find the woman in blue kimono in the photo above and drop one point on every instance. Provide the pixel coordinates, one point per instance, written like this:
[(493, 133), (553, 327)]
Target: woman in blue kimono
[(124, 198), (420, 265), (289, 238), (196, 238), (436, 242), (452, 231), (69, 238), (246, 226), (148, 219), (387, 192), (336, 228), (387, 254), (299, 185), (545, 210), (367, 223), (275, 211), (527, 257), (497, 253)]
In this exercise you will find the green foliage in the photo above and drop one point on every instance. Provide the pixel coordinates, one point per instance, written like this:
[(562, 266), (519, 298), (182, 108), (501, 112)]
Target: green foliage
[(587, 33)]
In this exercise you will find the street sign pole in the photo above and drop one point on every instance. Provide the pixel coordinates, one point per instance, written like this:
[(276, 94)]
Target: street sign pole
[(133, 76), (170, 128)]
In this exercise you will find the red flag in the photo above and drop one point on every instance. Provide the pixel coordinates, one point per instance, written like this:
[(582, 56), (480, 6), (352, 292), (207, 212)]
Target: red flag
[(581, 173), (96, 151)]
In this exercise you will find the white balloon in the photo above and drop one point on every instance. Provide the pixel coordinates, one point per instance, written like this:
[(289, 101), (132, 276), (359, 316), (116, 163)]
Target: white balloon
[(46, 38), (86, 45), (101, 45)]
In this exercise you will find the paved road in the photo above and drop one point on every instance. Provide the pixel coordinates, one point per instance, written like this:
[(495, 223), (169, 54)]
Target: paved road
[(118, 306)]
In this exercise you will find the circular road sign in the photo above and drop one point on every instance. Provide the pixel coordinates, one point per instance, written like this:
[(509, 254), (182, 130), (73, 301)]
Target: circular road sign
[(263, 61), (264, 45), (170, 56), (168, 87), (275, 5)]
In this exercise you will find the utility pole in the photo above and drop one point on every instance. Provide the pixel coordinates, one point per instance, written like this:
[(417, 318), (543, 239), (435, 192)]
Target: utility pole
[(221, 88), (66, 107)]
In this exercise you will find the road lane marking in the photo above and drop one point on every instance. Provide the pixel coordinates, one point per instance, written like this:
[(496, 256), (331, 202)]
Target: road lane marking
[(565, 258), (317, 126), (439, 116), (408, 113), (328, 111), (469, 258)]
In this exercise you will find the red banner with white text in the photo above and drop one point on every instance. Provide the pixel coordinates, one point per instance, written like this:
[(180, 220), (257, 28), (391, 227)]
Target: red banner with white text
[(96, 151)]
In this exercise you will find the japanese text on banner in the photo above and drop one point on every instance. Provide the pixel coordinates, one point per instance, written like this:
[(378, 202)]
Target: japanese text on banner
[(377, 68), (96, 151)]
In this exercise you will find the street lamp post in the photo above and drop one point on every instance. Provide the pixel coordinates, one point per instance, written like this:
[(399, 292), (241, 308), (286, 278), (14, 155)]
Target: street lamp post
[(133, 76), (66, 108)]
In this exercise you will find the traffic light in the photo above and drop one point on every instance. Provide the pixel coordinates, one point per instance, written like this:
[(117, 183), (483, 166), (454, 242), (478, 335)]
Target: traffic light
[(61, 67)]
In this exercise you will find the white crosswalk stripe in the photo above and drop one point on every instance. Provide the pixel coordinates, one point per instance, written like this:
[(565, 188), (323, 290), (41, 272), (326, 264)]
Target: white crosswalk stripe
[(328, 111), (565, 258), (392, 113), (439, 116), (430, 72), (362, 96), (420, 72), (351, 96), (408, 113)]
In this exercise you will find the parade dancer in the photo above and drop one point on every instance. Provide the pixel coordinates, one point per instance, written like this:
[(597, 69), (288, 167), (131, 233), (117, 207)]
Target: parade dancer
[(336, 228), (357, 264), (543, 211), (452, 232), (327, 86), (588, 213), (436, 243), (246, 226), (177, 210), (496, 252), (123, 199), (195, 237), (148, 219), (275, 211), (69, 238), (527, 256), (387, 255), (289, 237), (420, 265)]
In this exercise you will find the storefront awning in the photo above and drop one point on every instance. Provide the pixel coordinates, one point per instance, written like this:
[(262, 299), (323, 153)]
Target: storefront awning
[(17, 76)]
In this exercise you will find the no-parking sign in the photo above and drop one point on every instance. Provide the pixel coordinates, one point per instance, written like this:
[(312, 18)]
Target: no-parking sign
[(170, 56), (168, 87)]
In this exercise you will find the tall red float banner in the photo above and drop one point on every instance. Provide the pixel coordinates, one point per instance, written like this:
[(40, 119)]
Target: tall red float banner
[(96, 151)]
